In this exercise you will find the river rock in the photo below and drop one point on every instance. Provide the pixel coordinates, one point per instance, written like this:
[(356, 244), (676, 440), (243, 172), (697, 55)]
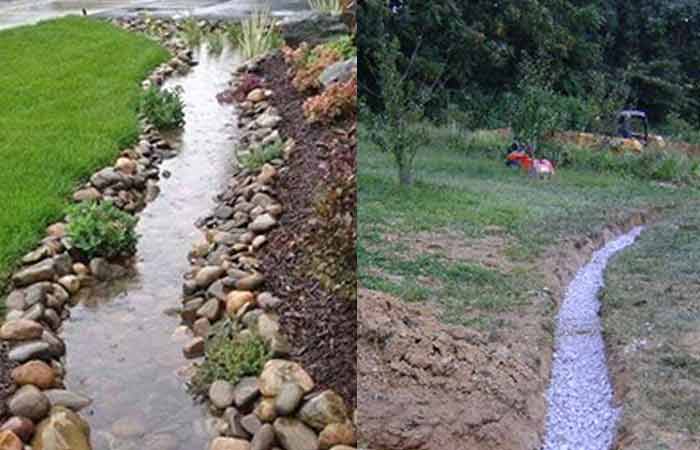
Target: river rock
[(250, 282), (265, 410), (245, 392), (266, 175), (63, 264), (262, 223), (106, 177), (221, 394), (21, 426), (70, 283), (256, 95), (251, 423), (223, 443), (63, 430), (57, 348), (16, 301), (67, 399), (126, 166), (34, 313), (10, 441), (34, 372), (21, 330), (194, 348), (324, 409), (292, 434), (218, 289), (268, 120), (279, 371), (233, 418), (26, 351), (223, 212), (201, 327), (36, 293), (190, 308), (52, 319), (29, 402), (36, 255), (210, 310), (337, 434), (101, 269), (264, 439), (207, 275), (236, 299), (289, 398), (43, 271), (87, 195), (268, 302)]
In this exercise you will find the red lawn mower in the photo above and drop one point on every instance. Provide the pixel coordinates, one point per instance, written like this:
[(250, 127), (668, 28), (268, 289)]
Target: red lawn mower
[(523, 157)]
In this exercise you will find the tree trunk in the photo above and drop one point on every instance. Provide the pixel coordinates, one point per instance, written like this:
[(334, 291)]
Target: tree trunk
[(405, 174)]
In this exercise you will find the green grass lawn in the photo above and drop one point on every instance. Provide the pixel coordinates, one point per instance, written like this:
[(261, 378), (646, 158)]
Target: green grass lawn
[(471, 199), (651, 318), (69, 90)]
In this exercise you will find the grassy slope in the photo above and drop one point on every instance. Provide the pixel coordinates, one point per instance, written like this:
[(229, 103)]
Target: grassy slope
[(652, 325), (69, 92), (470, 199)]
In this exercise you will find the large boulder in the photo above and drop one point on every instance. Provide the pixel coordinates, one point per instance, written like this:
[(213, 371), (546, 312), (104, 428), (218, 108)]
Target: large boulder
[(63, 430), (277, 372), (43, 271), (324, 409)]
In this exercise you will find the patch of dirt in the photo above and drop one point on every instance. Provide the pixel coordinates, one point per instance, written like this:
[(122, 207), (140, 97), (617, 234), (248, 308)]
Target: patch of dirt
[(321, 326), (424, 385)]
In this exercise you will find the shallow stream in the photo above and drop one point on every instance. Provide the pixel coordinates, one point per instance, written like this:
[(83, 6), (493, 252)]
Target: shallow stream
[(122, 349)]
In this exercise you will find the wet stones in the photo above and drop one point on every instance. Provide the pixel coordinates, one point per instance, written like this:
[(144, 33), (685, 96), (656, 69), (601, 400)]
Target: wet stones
[(29, 402)]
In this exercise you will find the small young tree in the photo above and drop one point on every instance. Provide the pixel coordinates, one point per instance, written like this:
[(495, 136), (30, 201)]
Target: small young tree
[(397, 128)]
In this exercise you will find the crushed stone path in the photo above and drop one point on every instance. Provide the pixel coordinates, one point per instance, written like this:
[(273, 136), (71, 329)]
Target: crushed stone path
[(581, 413)]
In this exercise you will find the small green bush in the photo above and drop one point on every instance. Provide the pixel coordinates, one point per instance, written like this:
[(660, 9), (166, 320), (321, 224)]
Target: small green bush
[(101, 229), (344, 46), (163, 108), (229, 358), (260, 156)]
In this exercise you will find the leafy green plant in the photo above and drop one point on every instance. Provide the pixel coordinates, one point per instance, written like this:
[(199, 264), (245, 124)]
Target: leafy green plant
[(191, 32), (101, 229), (229, 358), (163, 108), (257, 34), (344, 45), (259, 156), (334, 7)]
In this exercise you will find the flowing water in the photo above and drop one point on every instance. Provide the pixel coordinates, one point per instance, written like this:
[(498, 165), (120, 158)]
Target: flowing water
[(581, 412), (21, 12), (121, 347)]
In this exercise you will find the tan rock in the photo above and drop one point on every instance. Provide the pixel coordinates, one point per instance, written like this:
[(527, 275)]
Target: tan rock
[(35, 372), (337, 434), (63, 430), (256, 95), (280, 371), (21, 426), (57, 230), (324, 409), (71, 283), (126, 166), (265, 410), (236, 299), (21, 330), (222, 443), (10, 441)]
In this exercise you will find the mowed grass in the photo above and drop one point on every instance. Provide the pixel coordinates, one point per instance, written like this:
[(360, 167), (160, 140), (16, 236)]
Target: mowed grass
[(69, 90), (470, 195), (651, 318)]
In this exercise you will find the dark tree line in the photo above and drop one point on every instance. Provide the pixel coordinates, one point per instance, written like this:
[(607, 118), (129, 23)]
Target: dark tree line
[(477, 48)]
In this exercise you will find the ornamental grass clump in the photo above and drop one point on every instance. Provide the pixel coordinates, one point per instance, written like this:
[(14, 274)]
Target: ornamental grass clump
[(256, 35), (101, 230), (334, 7)]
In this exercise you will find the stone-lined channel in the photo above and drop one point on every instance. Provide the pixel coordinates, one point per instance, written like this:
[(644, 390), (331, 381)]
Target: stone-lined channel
[(581, 414), (124, 350)]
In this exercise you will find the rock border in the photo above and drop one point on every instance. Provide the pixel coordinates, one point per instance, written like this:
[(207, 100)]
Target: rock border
[(279, 408), (51, 277)]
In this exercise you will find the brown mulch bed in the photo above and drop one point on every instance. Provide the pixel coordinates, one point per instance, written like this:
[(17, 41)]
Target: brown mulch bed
[(321, 326)]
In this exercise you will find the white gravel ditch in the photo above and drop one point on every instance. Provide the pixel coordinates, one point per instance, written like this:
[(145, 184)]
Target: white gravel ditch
[(581, 413)]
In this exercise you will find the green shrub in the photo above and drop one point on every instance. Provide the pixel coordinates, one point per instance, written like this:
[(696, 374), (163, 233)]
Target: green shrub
[(327, 6), (257, 34), (101, 229), (344, 46), (261, 155), (229, 358), (163, 108)]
